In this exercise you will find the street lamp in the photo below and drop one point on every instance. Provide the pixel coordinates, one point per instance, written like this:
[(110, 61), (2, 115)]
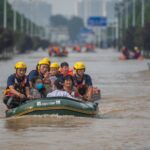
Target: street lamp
[(22, 23), (127, 14), (5, 14), (133, 13), (143, 13), (14, 21)]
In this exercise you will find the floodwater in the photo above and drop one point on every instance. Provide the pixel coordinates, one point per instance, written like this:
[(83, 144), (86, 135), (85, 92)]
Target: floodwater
[(124, 117)]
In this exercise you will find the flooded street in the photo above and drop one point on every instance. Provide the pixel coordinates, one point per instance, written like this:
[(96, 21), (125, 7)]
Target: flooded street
[(123, 122)]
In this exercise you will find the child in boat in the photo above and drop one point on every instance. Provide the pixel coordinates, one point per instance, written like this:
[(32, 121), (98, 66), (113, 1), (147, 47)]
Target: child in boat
[(17, 91), (38, 89)]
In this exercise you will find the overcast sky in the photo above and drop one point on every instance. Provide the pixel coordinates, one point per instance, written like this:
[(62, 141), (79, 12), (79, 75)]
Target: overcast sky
[(65, 7)]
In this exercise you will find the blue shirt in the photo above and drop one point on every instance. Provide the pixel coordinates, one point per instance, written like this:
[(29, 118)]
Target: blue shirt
[(12, 80), (33, 74), (86, 78)]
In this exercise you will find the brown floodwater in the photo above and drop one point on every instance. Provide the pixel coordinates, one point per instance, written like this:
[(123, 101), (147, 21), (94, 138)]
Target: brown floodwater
[(124, 116)]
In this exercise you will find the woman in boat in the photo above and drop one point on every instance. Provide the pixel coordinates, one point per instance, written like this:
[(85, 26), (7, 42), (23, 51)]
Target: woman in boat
[(69, 87), (38, 89), (59, 91), (83, 82), (17, 90)]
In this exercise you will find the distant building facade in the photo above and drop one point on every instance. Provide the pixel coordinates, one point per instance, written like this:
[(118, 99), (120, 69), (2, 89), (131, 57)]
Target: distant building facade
[(87, 8), (38, 11)]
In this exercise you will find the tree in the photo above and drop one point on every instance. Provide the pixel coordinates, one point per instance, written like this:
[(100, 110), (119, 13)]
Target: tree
[(58, 20), (74, 26)]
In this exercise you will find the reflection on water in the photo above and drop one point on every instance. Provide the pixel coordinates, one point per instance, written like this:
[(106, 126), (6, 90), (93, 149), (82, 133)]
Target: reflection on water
[(53, 121), (123, 121)]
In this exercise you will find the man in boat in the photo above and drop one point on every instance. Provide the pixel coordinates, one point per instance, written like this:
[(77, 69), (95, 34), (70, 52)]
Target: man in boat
[(64, 70), (42, 70), (17, 90), (82, 81), (54, 73)]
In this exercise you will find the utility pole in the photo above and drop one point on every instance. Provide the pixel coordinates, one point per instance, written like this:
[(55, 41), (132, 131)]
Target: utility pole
[(27, 26), (143, 13), (22, 23), (133, 14), (14, 20), (5, 14), (127, 14)]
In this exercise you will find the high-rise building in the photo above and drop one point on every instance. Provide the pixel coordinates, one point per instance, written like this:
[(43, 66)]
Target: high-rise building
[(88, 8)]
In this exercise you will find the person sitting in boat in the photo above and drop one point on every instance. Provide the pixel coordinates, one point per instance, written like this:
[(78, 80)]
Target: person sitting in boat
[(64, 70), (54, 73), (17, 90), (64, 51), (125, 53), (38, 89), (42, 70), (83, 82), (68, 86), (59, 92), (137, 52)]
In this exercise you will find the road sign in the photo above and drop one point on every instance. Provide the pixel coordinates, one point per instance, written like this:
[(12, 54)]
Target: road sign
[(97, 21)]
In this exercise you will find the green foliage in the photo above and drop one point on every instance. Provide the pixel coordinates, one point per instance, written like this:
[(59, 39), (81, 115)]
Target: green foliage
[(136, 36), (74, 24), (1, 12), (58, 20), (146, 37), (6, 40)]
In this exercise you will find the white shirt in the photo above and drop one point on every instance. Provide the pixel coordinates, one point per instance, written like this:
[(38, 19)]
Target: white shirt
[(59, 93)]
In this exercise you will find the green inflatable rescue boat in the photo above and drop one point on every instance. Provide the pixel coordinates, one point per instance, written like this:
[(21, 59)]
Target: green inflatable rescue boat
[(55, 105)]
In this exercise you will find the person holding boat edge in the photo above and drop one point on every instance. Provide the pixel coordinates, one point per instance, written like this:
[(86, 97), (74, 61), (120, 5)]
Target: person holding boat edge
[(83, 82), (17, 90)]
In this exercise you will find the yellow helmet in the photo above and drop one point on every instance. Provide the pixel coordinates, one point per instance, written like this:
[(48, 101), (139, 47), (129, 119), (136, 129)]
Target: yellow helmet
[(43, 62), (20, 65), (54, 65), (47, 59), (79, 65)]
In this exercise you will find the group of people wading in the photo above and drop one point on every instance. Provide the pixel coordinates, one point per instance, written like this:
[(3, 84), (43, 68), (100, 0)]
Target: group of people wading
[(48, 80)]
